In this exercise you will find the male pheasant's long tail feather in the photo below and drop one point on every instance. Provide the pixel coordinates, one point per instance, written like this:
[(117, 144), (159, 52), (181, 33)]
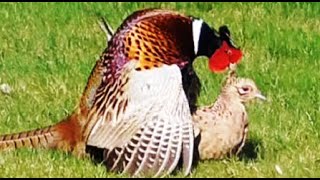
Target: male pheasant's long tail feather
[(30, 139), (64, 135)]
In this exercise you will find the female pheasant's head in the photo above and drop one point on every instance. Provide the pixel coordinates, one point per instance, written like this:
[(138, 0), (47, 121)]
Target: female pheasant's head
[(217, 46)]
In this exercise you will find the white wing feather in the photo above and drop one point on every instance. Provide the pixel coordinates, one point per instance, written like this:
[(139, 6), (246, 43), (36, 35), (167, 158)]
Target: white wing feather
[(157, 116)]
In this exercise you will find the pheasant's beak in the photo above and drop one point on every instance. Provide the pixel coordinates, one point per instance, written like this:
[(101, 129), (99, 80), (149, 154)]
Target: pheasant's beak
[(260, 96)]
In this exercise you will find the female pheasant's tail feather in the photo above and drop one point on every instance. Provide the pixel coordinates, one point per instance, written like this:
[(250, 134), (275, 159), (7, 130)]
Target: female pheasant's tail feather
[(30, 139)]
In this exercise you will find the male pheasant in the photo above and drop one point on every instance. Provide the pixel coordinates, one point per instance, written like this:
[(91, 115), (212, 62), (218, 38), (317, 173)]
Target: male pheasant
[(222, 128), (139, 98)]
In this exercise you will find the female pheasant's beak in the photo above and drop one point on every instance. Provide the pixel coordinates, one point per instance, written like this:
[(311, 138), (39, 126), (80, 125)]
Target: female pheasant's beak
[(260, 96), (223, 57)]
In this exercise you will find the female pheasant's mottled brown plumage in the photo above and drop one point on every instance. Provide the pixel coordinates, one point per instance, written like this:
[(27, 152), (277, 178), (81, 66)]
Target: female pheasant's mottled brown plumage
[(139, 98), (223, 126)]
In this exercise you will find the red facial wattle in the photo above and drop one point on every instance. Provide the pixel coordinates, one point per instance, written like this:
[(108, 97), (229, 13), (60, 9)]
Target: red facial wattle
[(223, 57)]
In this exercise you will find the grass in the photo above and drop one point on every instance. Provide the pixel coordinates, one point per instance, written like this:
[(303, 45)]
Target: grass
[(47, 51)]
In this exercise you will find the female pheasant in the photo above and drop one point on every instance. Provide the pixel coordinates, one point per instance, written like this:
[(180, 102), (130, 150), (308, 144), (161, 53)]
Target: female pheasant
[(139, 98), (222, 128)]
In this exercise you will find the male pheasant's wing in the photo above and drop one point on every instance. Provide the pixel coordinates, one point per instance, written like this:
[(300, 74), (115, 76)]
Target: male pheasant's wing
[(154, 129)]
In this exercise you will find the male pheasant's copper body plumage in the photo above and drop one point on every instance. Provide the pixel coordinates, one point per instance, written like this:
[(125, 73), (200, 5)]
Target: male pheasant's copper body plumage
[(139, 98), (143, 48), (223, 126)]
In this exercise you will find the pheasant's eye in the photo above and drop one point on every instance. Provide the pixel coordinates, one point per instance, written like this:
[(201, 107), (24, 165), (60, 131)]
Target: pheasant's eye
[(244, 90)]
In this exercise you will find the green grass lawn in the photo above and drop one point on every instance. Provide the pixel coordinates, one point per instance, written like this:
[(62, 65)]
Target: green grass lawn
[(47, 51)]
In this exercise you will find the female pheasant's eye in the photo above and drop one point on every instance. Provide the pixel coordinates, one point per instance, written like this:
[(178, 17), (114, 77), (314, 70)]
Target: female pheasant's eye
[(246, 89)]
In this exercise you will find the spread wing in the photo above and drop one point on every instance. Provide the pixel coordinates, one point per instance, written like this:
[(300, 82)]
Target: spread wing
[(154, 128)]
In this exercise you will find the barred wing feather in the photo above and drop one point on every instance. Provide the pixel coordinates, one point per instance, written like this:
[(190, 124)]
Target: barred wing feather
[(155, 129)]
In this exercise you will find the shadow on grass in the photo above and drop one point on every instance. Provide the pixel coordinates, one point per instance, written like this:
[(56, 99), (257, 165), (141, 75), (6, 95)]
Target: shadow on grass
[(252, 149), (96, 154)]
